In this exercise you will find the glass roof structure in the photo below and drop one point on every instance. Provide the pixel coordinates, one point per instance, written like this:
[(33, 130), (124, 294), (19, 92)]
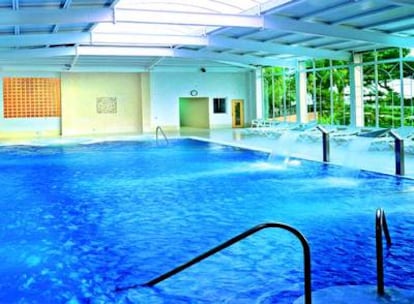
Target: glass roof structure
[(154, 31), (143, 35)]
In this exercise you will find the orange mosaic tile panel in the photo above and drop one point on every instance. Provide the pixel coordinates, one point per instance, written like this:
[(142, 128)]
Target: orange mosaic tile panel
[(31, 97)]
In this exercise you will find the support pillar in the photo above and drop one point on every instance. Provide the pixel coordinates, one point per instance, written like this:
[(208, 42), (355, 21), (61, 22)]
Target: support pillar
[(357, 96), (259, 93), (301, 93)]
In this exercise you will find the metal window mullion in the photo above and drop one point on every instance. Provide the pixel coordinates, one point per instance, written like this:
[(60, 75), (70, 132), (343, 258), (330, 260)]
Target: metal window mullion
[(331, 95), (376, 90), (401, 87), (314, 89), (284, 95), (273, 94)]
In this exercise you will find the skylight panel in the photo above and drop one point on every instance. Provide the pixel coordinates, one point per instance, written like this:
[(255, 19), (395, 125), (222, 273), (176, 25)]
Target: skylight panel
[(224, 7), (153, 7), (153, 29)]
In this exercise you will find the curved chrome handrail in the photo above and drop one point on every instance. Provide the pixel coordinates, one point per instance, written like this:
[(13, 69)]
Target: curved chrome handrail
[(298, 234), (159, 130), (381, 226)]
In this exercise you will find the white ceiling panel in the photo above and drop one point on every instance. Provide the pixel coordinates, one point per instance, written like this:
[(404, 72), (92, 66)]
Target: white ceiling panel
[(143, 35)]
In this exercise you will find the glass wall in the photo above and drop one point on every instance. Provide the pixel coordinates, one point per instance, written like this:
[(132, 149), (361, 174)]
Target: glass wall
[(280, 94), (387, 81), (387, 90), (408, 91), (332, 92), (328, 99)]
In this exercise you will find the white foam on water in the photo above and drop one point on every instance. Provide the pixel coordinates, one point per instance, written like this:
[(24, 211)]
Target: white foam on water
[(286, 144), (338, 181)]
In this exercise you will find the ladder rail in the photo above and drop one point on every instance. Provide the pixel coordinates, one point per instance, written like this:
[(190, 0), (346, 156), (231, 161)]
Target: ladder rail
[(237, 238), (381, 227), (160, 130)]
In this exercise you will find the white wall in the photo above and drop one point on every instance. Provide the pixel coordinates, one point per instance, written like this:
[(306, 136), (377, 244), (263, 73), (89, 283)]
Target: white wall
[(23, 127), (80, 92), (167, 87), (155, 101)]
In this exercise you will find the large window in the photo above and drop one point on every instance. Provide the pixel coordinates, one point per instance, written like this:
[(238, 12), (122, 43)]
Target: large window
[(385, 81), (387, 88), (408, 89), (280, 94), (328, 91)]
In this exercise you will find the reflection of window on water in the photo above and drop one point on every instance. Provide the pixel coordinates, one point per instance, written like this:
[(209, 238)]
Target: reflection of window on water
[(219, 105)]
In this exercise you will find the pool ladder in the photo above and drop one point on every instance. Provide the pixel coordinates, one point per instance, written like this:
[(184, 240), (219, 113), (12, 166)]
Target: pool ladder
[(159, 130), (380, 227), (237, 238)]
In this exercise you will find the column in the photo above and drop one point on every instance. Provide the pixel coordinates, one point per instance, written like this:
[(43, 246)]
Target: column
[(356, 86), (259, 93), (301, 93)]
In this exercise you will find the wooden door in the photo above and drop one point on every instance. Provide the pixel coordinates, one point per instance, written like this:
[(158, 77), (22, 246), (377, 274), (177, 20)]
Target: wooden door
[(237, 113)]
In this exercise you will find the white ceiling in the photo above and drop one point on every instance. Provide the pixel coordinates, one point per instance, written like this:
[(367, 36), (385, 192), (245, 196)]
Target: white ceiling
[(142, 35)]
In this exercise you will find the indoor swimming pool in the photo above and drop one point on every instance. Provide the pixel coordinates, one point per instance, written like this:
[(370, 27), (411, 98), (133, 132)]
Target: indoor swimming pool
[(80, 221)]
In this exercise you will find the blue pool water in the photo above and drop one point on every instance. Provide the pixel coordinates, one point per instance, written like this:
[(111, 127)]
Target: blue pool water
[(80, 221)]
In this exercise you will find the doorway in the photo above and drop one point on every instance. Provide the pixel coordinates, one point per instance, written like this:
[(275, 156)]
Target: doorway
[(237, 113), (194, 112)]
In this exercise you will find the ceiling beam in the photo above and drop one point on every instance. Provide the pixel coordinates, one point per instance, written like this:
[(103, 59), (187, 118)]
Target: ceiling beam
[(112, 5), (406, 3), (37, 16), (326, 10), (98, 38), (63, 67), (124, 51), (154, 63), (69, 53), (113, 15), (166, 40), (187, 18), (169, 52), (127, 68), (44, 39), (237, 64), (136, 51), (406, 20), (77, 15), (362, 15), (38, 53), (245, 59), (275, 6), (276, 48), (322, 29), (142, 39), (16, 8), (65, 5)]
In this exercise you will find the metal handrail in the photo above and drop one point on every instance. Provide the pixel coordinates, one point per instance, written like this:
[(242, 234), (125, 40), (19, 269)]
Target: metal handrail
[(380, 227), (157, 131), (302, 239)]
